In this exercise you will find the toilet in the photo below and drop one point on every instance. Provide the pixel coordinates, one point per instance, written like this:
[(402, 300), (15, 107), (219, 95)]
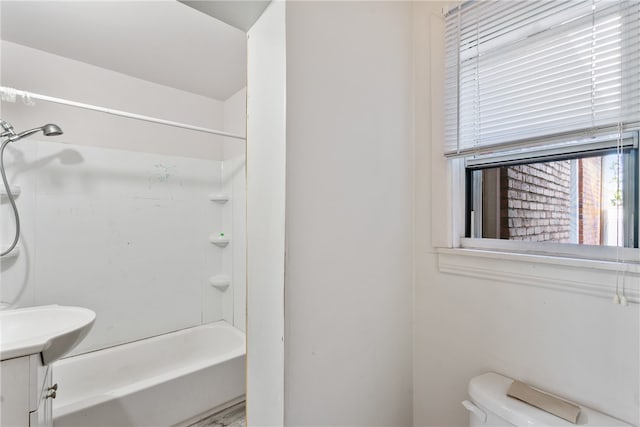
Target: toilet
[(489, 405)]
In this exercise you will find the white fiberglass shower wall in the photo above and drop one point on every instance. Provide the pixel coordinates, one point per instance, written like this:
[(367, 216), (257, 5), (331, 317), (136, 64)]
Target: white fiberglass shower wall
[(117, 215)]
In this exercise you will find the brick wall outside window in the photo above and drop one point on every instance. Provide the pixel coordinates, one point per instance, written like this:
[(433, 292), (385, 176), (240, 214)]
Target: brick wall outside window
[(535, 202), (589, 200)]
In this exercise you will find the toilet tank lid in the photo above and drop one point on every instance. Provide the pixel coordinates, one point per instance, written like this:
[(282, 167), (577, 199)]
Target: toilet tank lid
[(490, 391)]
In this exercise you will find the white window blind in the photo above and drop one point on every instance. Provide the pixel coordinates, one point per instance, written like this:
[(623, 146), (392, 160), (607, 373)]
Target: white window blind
[(524, 73)]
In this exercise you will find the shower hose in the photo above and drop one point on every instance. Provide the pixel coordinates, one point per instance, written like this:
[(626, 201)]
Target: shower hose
[(16, 236)]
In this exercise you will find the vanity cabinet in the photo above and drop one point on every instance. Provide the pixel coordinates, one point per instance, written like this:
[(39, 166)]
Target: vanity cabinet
[(26, 393)]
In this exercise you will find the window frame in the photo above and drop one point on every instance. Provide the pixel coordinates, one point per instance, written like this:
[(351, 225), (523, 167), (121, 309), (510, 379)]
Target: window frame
[(604, 147), (461, 183), (604, 272)]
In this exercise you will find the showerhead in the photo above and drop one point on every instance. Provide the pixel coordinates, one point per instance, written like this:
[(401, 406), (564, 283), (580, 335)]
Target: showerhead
[(49, 129)]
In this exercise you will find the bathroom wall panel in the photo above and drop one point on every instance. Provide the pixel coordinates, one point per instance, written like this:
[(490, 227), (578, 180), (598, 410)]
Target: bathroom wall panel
[(234, 225), (122, 233), (239, 231), (92, 171), (234, 180), (115, 260), (117, 218), (15, 272)]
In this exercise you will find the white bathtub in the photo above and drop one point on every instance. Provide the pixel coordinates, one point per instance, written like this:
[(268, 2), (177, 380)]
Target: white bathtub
[(160, 381)]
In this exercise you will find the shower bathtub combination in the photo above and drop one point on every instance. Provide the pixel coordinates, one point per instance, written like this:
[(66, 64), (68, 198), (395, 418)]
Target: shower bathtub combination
[(167, 380)]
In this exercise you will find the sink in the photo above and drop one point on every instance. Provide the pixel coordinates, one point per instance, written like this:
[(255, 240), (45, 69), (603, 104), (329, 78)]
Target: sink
[(52, 330)]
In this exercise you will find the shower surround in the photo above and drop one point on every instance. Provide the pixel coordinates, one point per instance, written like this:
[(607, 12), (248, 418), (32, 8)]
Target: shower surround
[(122, 233)]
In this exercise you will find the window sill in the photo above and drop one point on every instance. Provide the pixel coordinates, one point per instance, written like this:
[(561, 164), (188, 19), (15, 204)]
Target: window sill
[(582, 276)]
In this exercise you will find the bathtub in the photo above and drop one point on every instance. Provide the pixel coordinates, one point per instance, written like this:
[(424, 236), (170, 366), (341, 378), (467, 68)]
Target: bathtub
[(161, 381)]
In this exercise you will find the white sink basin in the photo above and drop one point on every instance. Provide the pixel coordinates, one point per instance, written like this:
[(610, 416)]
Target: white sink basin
[(53, 330)]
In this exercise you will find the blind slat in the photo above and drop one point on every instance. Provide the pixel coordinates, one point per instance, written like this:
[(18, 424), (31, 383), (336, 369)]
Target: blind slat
[(528, 69)]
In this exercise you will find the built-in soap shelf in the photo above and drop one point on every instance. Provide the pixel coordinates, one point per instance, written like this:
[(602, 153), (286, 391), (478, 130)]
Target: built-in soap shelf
[(15, 191), (220, 240), (219, 197), (221, 283)]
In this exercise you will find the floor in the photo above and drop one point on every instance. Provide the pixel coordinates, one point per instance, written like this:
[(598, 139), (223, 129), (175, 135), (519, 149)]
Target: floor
[(233, 416)]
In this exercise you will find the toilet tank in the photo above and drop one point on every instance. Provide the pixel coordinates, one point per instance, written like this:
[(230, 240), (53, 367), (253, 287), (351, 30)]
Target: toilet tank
[(489, 405)]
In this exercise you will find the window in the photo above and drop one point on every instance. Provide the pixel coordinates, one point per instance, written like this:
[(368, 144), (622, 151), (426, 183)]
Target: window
[(588, 198), (542, 116)]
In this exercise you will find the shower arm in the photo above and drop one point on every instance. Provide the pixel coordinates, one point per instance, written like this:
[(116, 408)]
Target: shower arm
[(7, 130)]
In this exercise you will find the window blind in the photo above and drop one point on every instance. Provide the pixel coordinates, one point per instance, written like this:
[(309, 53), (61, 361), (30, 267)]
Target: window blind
[(524, 73)]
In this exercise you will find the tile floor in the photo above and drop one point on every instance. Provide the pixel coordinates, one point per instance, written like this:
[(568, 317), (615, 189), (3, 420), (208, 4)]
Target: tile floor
[(233, 416)]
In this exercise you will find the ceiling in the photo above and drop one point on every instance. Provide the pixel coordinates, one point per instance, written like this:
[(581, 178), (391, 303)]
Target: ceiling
[(165, 42), (239, 13)]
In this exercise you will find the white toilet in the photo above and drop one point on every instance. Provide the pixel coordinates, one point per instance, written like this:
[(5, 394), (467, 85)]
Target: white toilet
[(490, 406)]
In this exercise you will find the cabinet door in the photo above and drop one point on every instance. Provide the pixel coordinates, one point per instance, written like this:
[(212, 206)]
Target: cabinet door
[(43, 416), (14, 392), (47, 420)]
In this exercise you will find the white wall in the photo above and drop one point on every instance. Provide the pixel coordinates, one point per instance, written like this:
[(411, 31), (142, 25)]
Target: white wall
[(235, 121), (266, 160), (581, 347), (42, 72), (349, 190), (116, 219)]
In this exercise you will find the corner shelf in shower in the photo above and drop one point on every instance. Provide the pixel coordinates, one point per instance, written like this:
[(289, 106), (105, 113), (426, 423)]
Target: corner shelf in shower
[(221, 283), (219, 197), (218, 240), (15, 191)]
